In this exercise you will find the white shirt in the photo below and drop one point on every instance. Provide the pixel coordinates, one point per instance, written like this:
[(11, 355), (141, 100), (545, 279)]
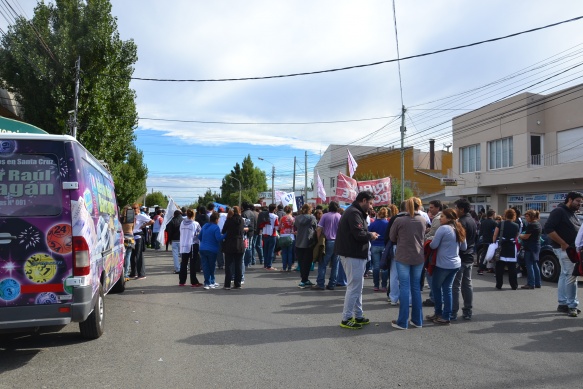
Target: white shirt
[(579, 238), (139, 222)]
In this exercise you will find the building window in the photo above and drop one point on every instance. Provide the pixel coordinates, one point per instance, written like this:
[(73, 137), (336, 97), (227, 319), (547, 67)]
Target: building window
[(500, 153), (470, 159), (536, 150), (332, 182)]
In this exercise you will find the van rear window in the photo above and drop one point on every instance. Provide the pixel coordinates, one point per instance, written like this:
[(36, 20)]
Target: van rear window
[(30, 185)]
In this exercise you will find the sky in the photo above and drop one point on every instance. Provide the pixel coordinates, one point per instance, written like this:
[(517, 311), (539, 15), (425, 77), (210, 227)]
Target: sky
[(193, 133)]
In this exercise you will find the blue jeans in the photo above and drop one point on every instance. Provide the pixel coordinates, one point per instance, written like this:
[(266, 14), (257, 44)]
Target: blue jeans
[(155, 243), (287, 257), (248, 256), (567, 287), (268, 247), (441, 283), (409, 282), (532, 268), (257, 247), (323, 264), (208, 261), (341, 276), (126, 262), (375, 255), (176, 255)]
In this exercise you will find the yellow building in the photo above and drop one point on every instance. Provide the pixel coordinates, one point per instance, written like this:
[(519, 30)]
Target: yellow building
[(421, 175)]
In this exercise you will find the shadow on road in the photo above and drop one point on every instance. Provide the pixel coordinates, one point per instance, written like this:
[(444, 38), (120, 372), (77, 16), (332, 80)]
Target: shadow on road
[(18, 350), (253, 337)]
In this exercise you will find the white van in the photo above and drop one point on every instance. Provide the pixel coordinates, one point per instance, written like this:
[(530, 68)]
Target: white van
[(61, 244)]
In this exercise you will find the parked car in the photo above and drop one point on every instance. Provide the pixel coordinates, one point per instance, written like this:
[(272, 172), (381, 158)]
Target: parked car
[(550, 267)]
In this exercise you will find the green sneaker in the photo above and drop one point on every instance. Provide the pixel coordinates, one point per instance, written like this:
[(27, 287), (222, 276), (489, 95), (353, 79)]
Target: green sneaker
[(362, 320), (350, 324)]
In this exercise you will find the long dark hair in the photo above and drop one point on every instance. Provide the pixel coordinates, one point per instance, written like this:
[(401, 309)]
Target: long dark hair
[(460, 231)]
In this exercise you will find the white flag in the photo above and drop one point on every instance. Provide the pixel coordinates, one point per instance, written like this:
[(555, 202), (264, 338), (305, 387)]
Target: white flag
[(169, 215), (321, 191), (290, 199), (352, 165)]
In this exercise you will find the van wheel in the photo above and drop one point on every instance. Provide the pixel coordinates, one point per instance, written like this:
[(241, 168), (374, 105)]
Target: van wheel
[(549, 267), (120, 285), (92, 327)]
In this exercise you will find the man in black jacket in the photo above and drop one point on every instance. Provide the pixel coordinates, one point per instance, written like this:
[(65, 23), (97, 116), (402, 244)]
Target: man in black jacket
[(249, 214), (352, 241), (562, 227), (463, 278), (173, 230)]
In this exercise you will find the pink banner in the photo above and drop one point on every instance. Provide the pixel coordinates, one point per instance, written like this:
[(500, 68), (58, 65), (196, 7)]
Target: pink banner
[(347, 188), (381, 189)]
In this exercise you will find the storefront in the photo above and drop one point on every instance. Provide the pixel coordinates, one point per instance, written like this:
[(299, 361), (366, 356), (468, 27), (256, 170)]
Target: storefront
[(542, 202)]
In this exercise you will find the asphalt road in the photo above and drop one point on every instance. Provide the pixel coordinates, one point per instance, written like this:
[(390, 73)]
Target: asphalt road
[(271, 334)]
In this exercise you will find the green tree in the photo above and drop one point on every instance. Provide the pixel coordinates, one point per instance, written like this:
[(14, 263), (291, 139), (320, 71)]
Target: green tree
[(37, 63), (396, 191), (253, 180), (208, 197), (156, 198), (131, 177)]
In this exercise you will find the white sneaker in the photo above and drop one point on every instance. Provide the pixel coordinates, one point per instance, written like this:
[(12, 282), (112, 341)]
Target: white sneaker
[(212, 286), (242, 282), (215, 285), (206, 287)]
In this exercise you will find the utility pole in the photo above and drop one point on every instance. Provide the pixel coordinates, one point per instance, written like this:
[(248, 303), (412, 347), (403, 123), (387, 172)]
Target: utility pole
[(294, 184), (403, 130), (306, 177), (273, 184), (77, 72)]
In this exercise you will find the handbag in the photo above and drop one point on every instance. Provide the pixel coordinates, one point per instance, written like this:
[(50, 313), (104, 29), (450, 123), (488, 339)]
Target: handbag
[(499, 248), (285, 241), (387, 256)]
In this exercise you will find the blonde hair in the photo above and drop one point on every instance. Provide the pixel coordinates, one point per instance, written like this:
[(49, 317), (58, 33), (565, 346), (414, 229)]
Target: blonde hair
[(412, 204), (383, 213)]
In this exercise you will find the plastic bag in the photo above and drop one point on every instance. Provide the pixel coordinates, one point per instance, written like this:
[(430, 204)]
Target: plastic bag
[(490, 253)]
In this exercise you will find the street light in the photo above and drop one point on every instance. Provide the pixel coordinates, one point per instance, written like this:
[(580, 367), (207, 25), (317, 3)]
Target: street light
[(272, 179), (239, 188)]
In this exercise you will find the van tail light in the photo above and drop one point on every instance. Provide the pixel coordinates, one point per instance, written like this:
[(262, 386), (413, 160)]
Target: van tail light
[(81, 266)]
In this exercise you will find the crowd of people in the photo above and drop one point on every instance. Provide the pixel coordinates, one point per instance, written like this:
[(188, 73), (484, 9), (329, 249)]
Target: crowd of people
[(403, 249)]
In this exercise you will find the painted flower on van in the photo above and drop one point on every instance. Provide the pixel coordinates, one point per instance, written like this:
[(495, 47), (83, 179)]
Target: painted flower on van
[(59, 238)]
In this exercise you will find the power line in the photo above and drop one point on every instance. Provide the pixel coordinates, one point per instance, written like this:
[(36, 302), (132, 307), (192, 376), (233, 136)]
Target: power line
[(357, 66), (267, 123)]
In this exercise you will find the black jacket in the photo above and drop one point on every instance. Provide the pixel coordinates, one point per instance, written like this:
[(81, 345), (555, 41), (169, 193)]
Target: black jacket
[(469, 224), (565, 223), (352, 237), (233, 243), (250, 214), (173, 229)]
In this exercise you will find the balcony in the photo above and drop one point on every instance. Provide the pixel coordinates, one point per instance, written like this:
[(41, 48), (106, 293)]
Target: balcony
[(543, 159)]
